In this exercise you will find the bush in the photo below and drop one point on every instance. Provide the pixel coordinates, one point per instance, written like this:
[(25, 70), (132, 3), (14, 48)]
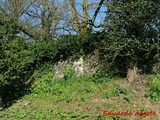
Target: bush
[(154, 92), (69, 72), (43, 70), (43, 85), (16, 60), (69, 46), (43, 52), (102, 76), (16, 66)]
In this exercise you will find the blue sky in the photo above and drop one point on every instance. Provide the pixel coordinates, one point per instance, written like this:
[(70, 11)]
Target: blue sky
[(99, 19)]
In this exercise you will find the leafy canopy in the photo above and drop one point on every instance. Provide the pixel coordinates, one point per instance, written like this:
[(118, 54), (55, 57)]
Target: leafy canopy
[(132, 33)]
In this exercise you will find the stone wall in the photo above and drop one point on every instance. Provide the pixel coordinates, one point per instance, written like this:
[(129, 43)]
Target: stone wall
[(87, 65), (83, 66)]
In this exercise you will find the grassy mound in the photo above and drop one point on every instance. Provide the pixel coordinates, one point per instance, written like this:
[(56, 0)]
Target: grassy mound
[(81, 98)]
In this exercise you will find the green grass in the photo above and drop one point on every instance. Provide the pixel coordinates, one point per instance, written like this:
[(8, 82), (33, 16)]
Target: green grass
[(74, 98)]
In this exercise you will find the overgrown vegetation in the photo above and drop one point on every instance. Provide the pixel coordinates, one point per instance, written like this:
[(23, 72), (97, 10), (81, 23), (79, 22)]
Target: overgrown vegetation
[(128, 45), (82, 98), (154, 92), (132, 37)]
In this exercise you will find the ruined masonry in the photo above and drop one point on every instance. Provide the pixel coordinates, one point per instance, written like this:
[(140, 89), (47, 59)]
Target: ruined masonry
[(82, 66)]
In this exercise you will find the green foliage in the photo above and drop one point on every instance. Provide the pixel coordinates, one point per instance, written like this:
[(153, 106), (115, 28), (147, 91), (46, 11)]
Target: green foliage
[(43, 84), (107, 95), (116, 91), (131, 39), (102, 76), (16, 66), (128, 98), (70, 115), (74, 46), (14, 112), (132, 35), (68, 46), (69, 72), (48, 97), (62, 90), (102, 80), (154, 92), (16, 61), (119, 90), (41, 115), (8, 27), (66, 90), (43, 70), (43, 52), (20, 59)]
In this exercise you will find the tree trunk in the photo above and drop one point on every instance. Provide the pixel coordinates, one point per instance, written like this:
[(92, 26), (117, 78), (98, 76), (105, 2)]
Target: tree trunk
[(132, 74), (75, 16), (85, 16)]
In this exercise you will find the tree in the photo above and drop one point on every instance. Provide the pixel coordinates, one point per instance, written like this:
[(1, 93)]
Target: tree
[(16, 62), (38, 19), (45, 19), (84, 21), (131, 42), (11, 12)]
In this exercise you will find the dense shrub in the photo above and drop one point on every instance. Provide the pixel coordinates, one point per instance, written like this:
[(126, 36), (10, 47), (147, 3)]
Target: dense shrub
[(75, 46), (19, 59), (43, 52), (154, 92), (41, 71), (16, 62), (67, 46), (69, 72), (16, 66)]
